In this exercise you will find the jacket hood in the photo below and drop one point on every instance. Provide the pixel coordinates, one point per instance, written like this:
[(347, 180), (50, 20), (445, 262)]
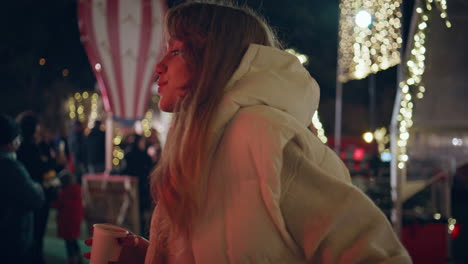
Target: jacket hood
[(272, 77)]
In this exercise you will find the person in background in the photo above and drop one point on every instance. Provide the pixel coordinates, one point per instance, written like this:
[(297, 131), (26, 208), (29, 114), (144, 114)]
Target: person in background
[(20, 196), (70, 214), (76, 143), (41, 172), (49, 153), (62, 154), (138, 163), (61, 148), (154, 146), (96, 149), (155, 153), (241, 178)]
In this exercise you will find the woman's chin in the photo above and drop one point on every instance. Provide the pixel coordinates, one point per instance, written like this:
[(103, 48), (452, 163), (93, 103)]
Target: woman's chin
[(166, 108)]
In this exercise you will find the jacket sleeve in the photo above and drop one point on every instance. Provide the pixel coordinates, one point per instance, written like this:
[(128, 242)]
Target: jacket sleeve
[(331, 220), (21, 189)]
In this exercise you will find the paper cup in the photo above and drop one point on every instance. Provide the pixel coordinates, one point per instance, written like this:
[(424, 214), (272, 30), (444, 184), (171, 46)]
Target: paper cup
[(105, 247)]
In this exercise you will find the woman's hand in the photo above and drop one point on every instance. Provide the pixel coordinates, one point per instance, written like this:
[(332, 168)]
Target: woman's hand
[(133, 249)]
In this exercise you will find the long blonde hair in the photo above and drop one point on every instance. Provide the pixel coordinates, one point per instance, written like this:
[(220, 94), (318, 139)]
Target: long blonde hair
[(216, 36)]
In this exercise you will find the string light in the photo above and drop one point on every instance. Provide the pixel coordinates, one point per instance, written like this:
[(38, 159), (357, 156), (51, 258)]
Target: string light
[(94, 108), (118, 152), (318, 125), (382, 138), (451, 224), (71, 108), (370, 37), (82, 107), (415, 67), (146, 123), (363, 19), (302, 58), (368, 137), (118, 155)]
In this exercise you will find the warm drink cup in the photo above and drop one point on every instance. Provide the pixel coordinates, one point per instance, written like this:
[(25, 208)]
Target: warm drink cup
[(105, 248)]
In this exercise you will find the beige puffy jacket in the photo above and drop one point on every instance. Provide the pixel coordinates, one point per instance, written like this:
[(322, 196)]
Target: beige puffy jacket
[(276, 194)]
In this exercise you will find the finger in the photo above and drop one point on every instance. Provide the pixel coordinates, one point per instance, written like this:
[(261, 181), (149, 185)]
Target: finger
[(128, 241), (120, 240), (89, 241), (87, 255), (125, 241)]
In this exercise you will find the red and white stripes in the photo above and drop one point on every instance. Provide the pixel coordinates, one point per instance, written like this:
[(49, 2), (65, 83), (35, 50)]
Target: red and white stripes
[(123, 40)]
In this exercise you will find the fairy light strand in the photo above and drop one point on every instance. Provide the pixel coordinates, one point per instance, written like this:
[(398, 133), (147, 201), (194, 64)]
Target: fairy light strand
[(370, 47), (118, 152), (146, 123), (83, 107), (94, 108), (382, 138), (318, 125), (412, 85)]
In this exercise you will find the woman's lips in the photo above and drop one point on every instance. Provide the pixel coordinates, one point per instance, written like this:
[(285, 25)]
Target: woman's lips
[(160, 85)]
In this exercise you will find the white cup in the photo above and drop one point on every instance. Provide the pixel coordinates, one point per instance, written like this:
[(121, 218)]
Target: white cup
[(105, 247)]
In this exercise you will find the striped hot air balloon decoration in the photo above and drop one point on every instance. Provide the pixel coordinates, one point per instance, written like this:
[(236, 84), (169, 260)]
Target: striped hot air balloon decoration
[(123, 40)]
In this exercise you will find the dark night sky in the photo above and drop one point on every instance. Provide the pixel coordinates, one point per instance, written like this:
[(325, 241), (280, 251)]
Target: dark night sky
[(32, 30)]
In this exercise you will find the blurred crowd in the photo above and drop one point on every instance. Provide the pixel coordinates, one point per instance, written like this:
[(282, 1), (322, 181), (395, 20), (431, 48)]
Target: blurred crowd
[(42, 170)]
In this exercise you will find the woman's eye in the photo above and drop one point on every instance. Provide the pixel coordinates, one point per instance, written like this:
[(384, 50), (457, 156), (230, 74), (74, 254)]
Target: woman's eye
[(175, 52)]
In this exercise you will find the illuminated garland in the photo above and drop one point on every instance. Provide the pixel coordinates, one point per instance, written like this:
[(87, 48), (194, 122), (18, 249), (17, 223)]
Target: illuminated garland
[(302, 58), (318, 125), (146, 123), (370, 37), (382, 138), (82, 107), (94, 108), (118, 152), (412, 84)]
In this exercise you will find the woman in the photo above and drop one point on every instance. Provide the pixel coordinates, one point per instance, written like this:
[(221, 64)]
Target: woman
[(242, 179)]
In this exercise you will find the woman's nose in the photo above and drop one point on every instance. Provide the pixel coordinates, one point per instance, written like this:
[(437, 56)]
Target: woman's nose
[(160, 67)]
